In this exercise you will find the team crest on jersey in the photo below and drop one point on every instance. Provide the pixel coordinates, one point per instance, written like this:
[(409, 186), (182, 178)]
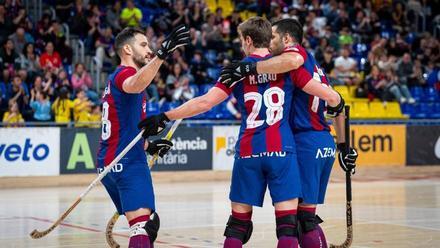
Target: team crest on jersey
[(325, 152)]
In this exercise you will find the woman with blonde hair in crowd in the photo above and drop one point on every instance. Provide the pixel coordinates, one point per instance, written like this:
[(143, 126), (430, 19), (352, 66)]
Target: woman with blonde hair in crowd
[(13, 117)]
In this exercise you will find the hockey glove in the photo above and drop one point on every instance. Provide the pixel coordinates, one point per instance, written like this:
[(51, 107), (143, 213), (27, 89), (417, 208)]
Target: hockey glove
[(153, 125), (177, 38), (347, 161), (235, 72), (160, 146)]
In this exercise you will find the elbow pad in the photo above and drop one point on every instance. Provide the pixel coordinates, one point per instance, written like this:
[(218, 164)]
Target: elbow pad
[(333, 112)]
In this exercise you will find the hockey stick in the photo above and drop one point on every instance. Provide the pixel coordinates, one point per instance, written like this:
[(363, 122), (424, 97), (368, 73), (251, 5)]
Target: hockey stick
[(348, 213), (35, 234), (111, 223)]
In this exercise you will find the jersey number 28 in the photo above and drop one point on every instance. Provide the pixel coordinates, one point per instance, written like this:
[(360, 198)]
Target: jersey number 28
[(274, 110)]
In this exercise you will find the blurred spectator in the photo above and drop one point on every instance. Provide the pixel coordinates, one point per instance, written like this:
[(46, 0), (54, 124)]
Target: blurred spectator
[(20, 38), (387, 63), (234, 20), (113, 14), (161, 87), (212, 34), (345, 37), (50, 59), (63, 80), (104, 47), (30, 60), (130, 15), (199, 68), (180, 15), (196, 15), (178, 84), (62, 107), (231, 107), (13, 117), (81, 78), (405, 69), (40, 104), (19, 93), (81, 109), (328, 63), (346, 68), (9, 59), (95, 116), (63, 8), (399, 18), (79, 20), (6, 24)]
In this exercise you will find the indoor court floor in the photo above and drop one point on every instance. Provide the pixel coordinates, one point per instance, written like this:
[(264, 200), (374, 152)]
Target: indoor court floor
[(398, 210)]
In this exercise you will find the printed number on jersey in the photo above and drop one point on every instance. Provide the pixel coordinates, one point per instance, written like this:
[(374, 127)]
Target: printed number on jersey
[(274, 110), (106, 124)]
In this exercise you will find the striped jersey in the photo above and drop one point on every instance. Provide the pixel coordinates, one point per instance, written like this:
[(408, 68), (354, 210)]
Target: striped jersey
[(307, 111), (121, 112), (264, 101)]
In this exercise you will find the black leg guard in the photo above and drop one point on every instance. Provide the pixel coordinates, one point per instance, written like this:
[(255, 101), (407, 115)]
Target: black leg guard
[(308, 221), (287, 226), (239, 229), (152, 227)]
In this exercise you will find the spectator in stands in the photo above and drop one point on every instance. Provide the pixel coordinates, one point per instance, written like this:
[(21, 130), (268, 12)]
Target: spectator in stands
[(95, 116), (198, 68), (63, 80), (81, 108), (9, 59), (399, 18), (231, 107), (63, 8), (130, 15), (181, 15), (29, 60), (346, 68), (19, 93), (13, 117), (50, 60), (104, 47), (79, 20), (234, 20), (6, 24), (405, 69), (197, 15), (213, 34), (112, 16), (178, 84), (345, 37), (40, 104), (81, 78), (20, 38), (42, 87), (62, 107), (386, 63), (417, 78)]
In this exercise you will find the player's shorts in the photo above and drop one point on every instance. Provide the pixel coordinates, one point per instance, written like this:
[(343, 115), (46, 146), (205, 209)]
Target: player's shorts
[(251, 175), (316, 154), (129, 185)]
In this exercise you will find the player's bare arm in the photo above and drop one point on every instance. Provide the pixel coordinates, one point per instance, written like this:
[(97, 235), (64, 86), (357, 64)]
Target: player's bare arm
[(155, 124), (315, 88), (139, 81)]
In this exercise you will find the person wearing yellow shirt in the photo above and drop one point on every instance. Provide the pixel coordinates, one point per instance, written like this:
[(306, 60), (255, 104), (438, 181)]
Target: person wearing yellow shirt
[(95, 117), (130, 15), (81, 109), (62, 107), (13, 118)]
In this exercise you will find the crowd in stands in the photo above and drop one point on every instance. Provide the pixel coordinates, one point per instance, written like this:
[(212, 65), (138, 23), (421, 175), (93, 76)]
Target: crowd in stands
[(371, 45)]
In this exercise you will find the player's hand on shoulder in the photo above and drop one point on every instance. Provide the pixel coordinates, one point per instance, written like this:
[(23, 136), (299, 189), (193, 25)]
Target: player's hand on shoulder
[(160, 146), (178, 37), (153, 125), (235, 72), (347, 161)]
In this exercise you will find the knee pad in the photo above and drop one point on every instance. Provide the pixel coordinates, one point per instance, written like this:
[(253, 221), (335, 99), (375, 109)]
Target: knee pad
[(308, 221), (239, 229), (287, 226), (152, 226)]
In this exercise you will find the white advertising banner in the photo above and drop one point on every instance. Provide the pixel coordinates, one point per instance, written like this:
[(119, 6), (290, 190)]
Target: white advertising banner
[(29, 151), (224, 138)]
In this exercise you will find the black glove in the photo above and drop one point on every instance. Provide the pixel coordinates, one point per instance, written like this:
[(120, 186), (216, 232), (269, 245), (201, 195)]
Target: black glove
[(178, 37), (160, 146), (347, 161), (235, 72), (153, 125), (333, 112)]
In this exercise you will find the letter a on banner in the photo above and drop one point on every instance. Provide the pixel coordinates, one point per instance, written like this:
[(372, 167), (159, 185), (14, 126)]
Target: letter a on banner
[(80, 152)]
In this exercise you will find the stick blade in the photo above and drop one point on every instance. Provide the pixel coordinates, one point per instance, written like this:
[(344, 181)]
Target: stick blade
[(35, 234)]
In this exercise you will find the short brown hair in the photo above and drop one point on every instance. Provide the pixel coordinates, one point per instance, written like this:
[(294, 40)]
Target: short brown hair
[(258, 29)]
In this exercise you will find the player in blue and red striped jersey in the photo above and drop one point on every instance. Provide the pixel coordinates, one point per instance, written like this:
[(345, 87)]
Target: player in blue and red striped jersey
[(315, 145), (265, 151), (124, 105)]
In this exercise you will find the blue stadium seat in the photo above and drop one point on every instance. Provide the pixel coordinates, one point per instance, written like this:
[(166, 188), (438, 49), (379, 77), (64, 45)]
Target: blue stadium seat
[(421, 110), (213, 73), (435, 113), (195, 88), (431, 94), (417, 93), (205, 88)]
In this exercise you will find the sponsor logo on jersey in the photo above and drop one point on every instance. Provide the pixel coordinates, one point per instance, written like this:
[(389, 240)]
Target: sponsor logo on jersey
[(325, 152), (267, 154), (262, 78), (119, 167)]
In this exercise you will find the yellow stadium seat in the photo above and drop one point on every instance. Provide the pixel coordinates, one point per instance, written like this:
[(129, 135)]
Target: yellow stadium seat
[(377, 110), (352, 91), (394, 111), (360, 110), (343, 90)]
